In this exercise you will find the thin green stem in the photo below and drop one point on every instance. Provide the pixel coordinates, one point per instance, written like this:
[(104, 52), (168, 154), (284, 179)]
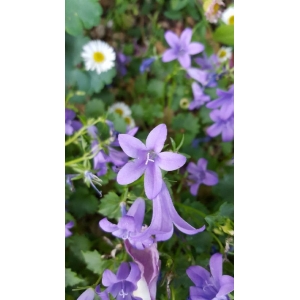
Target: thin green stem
[(218, 241)]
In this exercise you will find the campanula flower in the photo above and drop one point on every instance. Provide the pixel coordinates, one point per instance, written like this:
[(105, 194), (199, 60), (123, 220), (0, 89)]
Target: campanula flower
[(199, 97), (71, 125), (89, 294), (199, 75), (181, 47), (67, 227), (214, 286), (148, 159), (146, 63)]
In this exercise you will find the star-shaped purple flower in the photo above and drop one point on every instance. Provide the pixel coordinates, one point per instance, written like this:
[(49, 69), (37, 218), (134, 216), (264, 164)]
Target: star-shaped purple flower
[(181, 47), (214, 286), (124, 283), (129, 225), (199, 97), (70, 125), (148, 159), (199, 175), (68, 226), (222, 125)]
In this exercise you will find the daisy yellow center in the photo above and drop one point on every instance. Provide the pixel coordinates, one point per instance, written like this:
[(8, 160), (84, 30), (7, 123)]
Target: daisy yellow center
[(119, 111), (99, 57), (216, 8), (222, 54), (231, 20), (127, 120)]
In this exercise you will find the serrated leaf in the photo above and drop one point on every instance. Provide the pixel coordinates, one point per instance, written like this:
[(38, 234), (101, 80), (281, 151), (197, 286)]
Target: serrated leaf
[(224, 34), (156, 88), (77, 243), (71, 278), (81, 14), (110, 206), (98, 81), (94, 261), (94, 108)]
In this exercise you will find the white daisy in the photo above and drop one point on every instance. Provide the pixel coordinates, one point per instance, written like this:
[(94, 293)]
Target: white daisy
[(212, 10), (224, 54), (130, 122), (228, 16), (120, 108), (98, 56)]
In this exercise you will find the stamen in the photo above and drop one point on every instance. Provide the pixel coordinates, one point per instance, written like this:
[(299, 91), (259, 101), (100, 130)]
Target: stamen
[(123, 294), (148, 159)]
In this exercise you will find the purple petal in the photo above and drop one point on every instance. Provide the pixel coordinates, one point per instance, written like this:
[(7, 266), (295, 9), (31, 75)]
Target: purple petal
[(216, 266), (107, 226), (156, 138), (198, 275), (76, 125), (185, 60), (227, 285), (169, 55), (194, 189), (197, 74), (215, 115), (87, 295), (69, 114), (197, 294), (214, 129), (131, 145), (172, 39), (202, 164), (195, 48), (103, 295), (135, 273), (68, 129), (130, 172), (192, 168), (115, 288), (118, 158), (108, 278), (170, 161), (127, 222), (226, 110), (153, 180), (186, 36), (211, 178), (227, 134), (123, 271), (137, 210), (197, 90)]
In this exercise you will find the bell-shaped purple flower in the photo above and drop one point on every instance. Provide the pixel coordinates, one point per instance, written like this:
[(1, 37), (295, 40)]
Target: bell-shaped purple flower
[(224, 126), (214, 286), (199, 175), (122, 285), (181, 47), (199, 75), (68, 226), (148, 159), (225, 101), (164, 217), (129, 225), (146, 63), (199, 97), (149, 264), (208, 63), (70, 125)]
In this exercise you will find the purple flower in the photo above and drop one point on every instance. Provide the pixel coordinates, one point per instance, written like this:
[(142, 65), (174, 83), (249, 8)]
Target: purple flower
[(67, 227), (89, 294), (92, 179), (149, 264), (122, 60), (122, 285), (70, 125), (214, 286), (148, 159), (163, 217), (181, 47), (199, 97), (199, 175), (100, 159), (129, 225), (208, 63), (146, 63), (198, 75), (222, 125)]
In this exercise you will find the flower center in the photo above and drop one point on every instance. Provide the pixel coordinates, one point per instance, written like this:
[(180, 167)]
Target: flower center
[(216, 8), (127, 120), (150, 157), (222, 54), (119, 111), (99, 57), (123, 294), (201, 175), (231, 20)]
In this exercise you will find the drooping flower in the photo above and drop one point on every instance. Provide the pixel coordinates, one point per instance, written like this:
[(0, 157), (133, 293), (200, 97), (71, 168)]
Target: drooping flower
[(120, 108), (224, 54), (212, 10), (129, 225), (198, 174), (149, 264), (92, 179), (199, 97), (122, 285), (164, 218), (224, 126), (71, 125), (148, 159), (225, 101), (228, 16), (98, 56), (214, 286), (68, 226), (181, 47), (146, 63)]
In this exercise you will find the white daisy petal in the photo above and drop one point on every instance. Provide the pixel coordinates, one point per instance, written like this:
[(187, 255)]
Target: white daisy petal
[(228, 16), (120, 108), (224, 54)]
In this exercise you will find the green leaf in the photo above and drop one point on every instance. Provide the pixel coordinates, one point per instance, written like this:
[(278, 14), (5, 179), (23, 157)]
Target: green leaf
[(94, 108), (119, 123), (178, 4), (81, 14), (94, 261), (77, 243), (156, 88), (110, 206), (98, 81), (224, 34), (72, 278), (173, 15)]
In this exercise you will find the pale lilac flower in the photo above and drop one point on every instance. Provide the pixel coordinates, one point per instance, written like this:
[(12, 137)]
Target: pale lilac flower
[(198, 174), (122, 61), (225, 101), (199, 75), (224, 126), (67, 227), (208, 63), (122, 285), (181, 47), (129, 225), (148, 159), (89, 294), (214, 286), (164, 217), (100, 159), (199, 97), (70, 125), (146, 63), (149, 264)]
